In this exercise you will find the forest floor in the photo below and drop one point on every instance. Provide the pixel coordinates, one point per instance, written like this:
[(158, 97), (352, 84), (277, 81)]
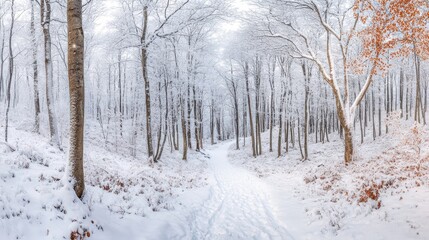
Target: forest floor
[(220, 193), (125, 197), (383, 194)]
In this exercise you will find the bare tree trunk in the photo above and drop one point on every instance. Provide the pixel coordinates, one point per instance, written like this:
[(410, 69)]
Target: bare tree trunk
[(188, 117), (188, 99), (348, 139), (326, 126), (11, 66), (146, 85), (174, 107), (287, 135), (2, 66), (307, 75), (426, 97), (299, 139), (418, 111), (379, 110), (272, 104), (237, 123), (200, 121), (218, 127), (279, 140), (35, 72), (196, 124), (184, 128), (387, 99), (212, 120), (234, 94), (158, 139), (121, 110), (46, 21), (257, 105), (77, 92), (161, 148), (360, 120), (401, 91), (252, 131), (244, 115), (316, 125)]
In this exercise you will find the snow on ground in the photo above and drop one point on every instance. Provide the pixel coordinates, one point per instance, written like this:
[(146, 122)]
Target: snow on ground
[(383, 194), (125, 197), (239, 206), (220, 193)]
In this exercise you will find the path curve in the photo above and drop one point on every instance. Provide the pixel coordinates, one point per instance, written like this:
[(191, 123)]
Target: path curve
[(238, 206)]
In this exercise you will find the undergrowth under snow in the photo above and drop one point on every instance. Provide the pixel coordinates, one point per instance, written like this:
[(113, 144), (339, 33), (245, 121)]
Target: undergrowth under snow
[(38, 202), (383, 192)]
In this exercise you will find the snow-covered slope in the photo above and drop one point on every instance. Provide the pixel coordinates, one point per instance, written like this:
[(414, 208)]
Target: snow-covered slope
[(383, 194), (125, 197)]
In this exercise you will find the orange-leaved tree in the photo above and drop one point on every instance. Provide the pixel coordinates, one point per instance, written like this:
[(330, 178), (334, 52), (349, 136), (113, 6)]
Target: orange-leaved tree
[(395, 28), (378, 29)]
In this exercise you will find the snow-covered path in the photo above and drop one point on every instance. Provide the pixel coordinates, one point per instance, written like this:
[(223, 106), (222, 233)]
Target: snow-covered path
[(238, 206)]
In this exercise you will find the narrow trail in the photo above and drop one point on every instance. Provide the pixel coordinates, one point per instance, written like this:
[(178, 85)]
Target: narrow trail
[(238, 206)]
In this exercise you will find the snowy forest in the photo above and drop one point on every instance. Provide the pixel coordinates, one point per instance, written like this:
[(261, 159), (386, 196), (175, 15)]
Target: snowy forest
[(214, 119)]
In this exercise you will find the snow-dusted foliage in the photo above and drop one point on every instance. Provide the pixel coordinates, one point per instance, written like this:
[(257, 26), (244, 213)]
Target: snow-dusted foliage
[(38, 200), (214, 119), (386, 183)]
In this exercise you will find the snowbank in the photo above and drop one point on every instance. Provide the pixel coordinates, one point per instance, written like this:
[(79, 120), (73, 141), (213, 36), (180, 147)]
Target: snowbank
[(123, 195), (383, 194)]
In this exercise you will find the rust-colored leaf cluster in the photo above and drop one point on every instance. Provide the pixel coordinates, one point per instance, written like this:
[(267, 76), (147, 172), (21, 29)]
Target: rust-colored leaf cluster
[(372, 192), (393, 28), (392, 172), (79, 236)]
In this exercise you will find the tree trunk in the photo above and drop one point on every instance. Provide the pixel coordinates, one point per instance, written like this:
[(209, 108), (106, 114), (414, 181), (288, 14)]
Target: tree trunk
[(252, 131), (345, 125), (11, 66), (348, 143), (212, 120), (1, 67), (184, 132), (200, 122), (46, 21), (272, 93), (299, 140), (146, 85), (77, 92), (164, 138), (188, 100), (236, 123), (257, 105), (35, 73), (244, 125), (121, 111), (287, 136), (307, 75), (418, 111), (196, 126), (279, 140)]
